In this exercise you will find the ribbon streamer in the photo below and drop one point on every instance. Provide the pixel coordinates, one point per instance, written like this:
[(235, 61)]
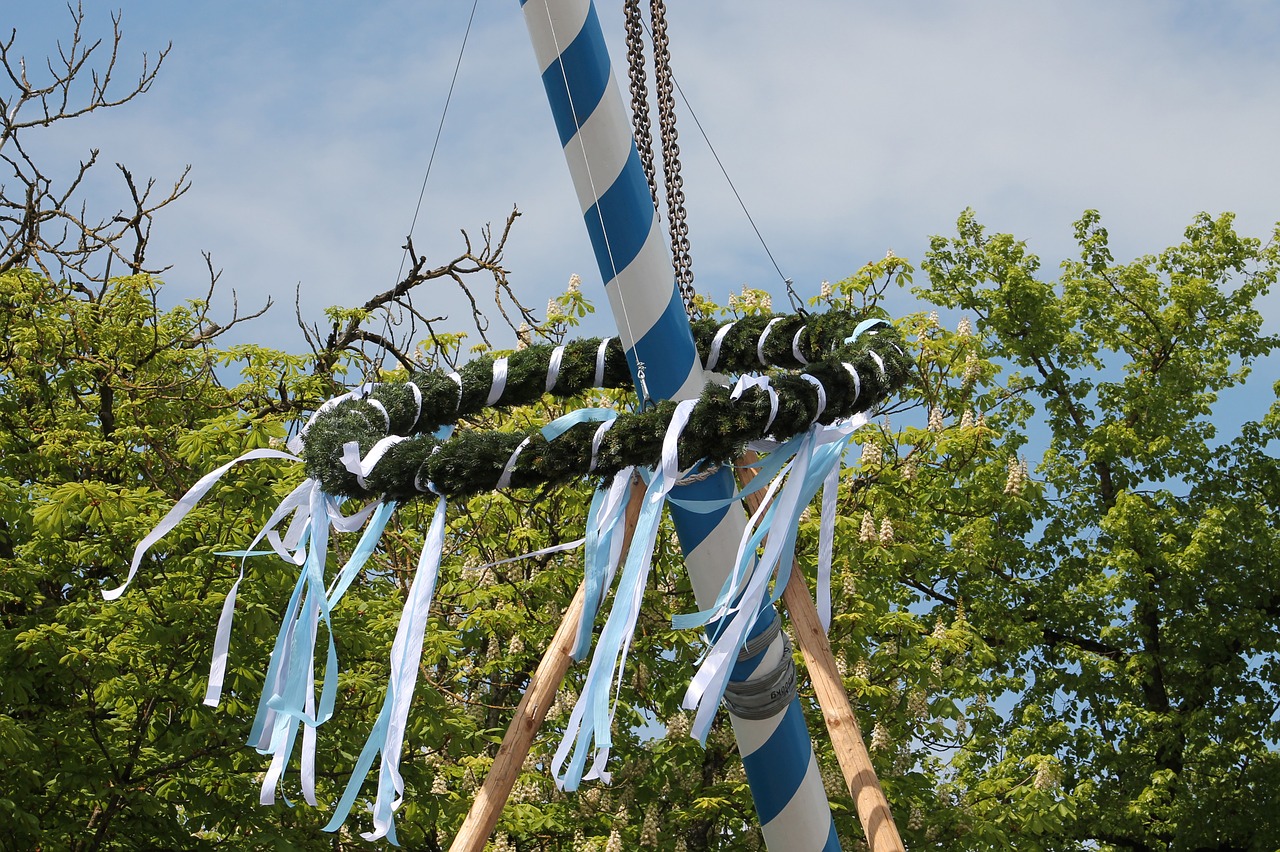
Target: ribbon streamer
[(591, 720), (298, 503), (387, 736), (816, 463), (182, 508)]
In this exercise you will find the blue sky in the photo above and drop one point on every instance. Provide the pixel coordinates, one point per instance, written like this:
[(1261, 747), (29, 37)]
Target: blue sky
[(849, 128)]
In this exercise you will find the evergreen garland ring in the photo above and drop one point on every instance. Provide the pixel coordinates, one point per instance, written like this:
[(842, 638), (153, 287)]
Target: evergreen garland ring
[(842, 365)]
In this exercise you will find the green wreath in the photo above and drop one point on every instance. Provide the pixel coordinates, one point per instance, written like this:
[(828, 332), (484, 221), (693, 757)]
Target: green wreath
[(839, 364)]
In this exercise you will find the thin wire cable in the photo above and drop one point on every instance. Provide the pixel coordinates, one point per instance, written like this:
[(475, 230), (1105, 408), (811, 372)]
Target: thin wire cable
[(643, 388), (422, 191), (439, 129), (725, 172)]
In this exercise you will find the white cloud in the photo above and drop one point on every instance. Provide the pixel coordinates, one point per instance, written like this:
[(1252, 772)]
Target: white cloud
[(848, 127)]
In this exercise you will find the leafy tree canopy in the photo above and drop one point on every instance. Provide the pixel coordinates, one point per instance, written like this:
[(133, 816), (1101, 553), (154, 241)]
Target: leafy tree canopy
[(1056, 575)]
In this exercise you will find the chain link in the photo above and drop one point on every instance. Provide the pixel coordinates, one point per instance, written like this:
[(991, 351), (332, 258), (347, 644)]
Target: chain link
[(676, 216), (640, 121), (642, 124)]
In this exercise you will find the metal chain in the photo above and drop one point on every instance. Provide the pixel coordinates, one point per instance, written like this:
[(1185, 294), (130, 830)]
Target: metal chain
[(676, 217), (640, 121)]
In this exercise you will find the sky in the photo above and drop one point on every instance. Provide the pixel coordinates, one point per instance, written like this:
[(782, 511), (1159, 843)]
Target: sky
[(848, 127)]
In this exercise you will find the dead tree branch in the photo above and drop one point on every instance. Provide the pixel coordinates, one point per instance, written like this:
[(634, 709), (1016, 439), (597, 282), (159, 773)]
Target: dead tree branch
[(43, 225), (400, 318)]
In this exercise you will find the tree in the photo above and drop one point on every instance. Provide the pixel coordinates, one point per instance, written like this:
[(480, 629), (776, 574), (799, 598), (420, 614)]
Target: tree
[(110, 408), (1076, 653), (40, 224), (1080, 655)]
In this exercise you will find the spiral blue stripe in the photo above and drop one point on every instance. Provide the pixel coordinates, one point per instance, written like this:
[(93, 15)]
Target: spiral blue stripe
[(691, 527), (587, 81), (666, 367), (618, 223), (779, 779), (635, 266), (833, 840)]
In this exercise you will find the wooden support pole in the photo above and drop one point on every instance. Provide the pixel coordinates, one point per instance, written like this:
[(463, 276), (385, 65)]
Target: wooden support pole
[(532, 710), (828, 686)]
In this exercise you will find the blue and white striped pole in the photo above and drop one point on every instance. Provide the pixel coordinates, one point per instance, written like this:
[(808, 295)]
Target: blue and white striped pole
[(634, 263)]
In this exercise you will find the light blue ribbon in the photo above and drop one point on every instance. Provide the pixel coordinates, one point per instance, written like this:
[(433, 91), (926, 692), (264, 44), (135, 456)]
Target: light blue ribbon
[(766, 469), (864, 326), (603, 532), (387, 735), (591, 720), (288, 697), (601, 554), (564, 423), (363, 550)]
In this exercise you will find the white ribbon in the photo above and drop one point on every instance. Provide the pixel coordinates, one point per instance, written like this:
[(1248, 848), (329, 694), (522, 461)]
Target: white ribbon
[(596, 440), (713, 357), (362, 467), (857, 380), (598, 380), (417, 400), (298, 502), (764, 335), (499, 381), (290, 547), (533, 554), (713, 675), (822, 395), (553, 368), (747, 381), (182, 508), (457, 380), (505, 479), (795, 346), (879, 361), (296, 442), (817, 461), (826, 544), (347, 523), (381, 408)]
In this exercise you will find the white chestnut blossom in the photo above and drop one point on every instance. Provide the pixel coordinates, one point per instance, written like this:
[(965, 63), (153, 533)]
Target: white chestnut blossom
[(867, 532)]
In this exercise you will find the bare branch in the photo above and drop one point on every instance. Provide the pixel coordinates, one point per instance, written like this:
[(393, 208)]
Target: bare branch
[(394, 306), (41, 223), (209, 329), (58, 98)]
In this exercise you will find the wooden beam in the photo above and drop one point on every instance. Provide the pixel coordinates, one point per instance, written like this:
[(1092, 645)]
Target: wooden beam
[(532, 710), (828, 686)]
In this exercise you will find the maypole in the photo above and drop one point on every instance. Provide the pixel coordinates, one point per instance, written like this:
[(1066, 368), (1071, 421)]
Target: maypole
[(393, 442), (634, 263)]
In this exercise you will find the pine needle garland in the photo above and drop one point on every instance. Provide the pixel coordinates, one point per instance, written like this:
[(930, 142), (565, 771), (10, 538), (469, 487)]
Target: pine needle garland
[(835, 375)]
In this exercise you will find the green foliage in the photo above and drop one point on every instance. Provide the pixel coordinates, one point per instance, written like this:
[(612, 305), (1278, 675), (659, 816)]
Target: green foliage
[(1073, 651), (1081, 651), (104, 406)]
